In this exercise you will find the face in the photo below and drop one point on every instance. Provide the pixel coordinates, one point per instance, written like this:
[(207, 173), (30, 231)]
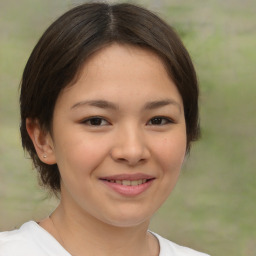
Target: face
[(119, 137)]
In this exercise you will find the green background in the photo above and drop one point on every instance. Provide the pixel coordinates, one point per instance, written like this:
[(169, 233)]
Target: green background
[(212, 208)]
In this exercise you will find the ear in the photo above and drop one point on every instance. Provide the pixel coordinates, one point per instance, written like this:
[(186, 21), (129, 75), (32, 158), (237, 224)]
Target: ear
[(42, 141)]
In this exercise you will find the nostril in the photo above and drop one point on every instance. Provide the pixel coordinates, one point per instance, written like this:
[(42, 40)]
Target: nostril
[(131, 162), (121, 160)]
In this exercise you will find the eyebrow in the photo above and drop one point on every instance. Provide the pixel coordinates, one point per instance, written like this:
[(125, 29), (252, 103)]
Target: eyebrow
[(161, 103), (109, 105), (96, 103)]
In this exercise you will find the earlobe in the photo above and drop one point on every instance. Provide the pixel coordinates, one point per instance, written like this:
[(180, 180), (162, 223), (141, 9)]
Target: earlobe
[(42, 141)]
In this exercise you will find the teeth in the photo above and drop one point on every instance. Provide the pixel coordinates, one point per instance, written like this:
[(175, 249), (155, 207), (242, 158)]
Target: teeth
[(134, 183), (129, 182), (126, 182)]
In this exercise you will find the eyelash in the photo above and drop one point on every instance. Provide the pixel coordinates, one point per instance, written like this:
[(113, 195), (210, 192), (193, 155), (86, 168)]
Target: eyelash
[(166, 120), (99, 120), (88, 121)]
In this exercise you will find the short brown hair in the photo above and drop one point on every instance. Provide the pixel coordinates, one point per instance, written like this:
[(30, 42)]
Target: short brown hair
[(71, 39)]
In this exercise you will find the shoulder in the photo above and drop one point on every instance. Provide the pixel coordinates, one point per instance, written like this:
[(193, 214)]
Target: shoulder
[(29, 239), (169, 248), (11, 240)]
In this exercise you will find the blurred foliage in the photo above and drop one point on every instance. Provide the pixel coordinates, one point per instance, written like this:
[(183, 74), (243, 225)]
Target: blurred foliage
[(212, 207)]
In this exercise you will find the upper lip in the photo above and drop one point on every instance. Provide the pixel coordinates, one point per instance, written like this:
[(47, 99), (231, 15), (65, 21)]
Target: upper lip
[(135, 176)]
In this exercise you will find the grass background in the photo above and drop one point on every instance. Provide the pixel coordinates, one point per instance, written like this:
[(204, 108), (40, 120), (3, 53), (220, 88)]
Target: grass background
[(213, 206)]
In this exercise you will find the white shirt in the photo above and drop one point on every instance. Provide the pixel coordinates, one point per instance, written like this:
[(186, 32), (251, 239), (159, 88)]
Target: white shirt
[(32, 239)]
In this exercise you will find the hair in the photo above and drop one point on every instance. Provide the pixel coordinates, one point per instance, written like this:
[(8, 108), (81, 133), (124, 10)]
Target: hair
[(64, 47)]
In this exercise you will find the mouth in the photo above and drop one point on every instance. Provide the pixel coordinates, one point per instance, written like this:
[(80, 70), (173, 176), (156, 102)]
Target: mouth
[(128, 184)]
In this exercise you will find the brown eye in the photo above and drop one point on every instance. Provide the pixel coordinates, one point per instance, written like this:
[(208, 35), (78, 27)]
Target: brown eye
[(159, 121), (95, 121)]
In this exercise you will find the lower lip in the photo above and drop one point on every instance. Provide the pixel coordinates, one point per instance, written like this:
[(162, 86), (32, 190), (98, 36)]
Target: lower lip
[(129, 190)]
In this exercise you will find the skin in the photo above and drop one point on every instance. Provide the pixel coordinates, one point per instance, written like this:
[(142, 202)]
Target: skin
[(126, 139)]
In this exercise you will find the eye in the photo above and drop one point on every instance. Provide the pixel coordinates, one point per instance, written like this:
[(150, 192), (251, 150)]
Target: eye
[(159, 120), (95, 121)]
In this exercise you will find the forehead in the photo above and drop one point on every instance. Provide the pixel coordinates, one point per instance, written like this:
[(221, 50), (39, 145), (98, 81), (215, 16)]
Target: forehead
[(120, 71), (121, 56)]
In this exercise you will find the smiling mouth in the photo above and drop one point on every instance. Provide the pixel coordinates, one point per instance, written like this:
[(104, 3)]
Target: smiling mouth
[(129, 182)]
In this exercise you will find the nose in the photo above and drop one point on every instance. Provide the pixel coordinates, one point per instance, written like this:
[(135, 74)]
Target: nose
[(130, 147)]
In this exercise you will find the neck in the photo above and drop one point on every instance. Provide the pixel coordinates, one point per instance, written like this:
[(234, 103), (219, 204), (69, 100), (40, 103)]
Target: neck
[(80, 232)]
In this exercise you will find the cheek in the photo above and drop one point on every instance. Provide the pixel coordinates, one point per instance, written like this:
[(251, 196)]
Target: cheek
[(79, 157), (169, 155), (171, 151), (77, 163)]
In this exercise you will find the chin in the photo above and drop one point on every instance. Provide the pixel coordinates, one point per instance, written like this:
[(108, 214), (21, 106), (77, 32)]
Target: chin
[(128, 223), (127, 220)]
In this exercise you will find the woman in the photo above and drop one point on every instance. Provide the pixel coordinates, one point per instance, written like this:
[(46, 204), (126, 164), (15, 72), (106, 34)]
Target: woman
[(109, 108)]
